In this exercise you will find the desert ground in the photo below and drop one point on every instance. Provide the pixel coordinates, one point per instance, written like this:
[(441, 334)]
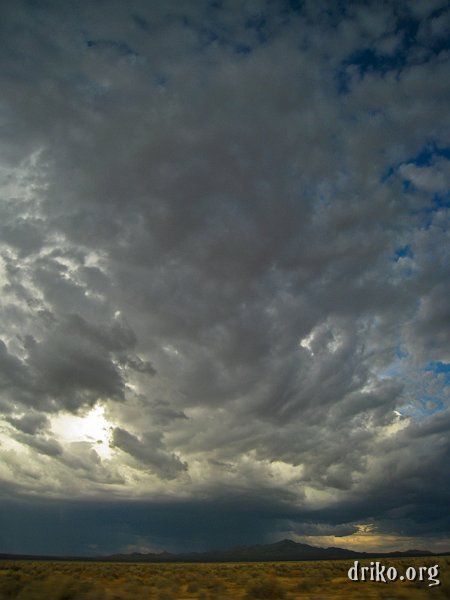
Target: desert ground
[(47, 580)]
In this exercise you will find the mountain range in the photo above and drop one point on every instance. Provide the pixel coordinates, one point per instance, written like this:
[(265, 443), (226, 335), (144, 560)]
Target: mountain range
[(284, 550)]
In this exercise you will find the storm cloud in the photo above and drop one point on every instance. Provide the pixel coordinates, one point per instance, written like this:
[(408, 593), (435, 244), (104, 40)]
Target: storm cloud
[(224, 261)]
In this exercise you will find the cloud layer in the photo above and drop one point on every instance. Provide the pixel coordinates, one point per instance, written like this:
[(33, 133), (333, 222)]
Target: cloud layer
[(227, 229)]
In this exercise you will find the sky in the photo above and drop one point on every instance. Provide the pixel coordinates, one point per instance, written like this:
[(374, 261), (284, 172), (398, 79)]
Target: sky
[(224, 264)]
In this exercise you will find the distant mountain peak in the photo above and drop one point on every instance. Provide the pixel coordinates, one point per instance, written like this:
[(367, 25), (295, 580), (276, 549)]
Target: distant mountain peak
[(288, 543)]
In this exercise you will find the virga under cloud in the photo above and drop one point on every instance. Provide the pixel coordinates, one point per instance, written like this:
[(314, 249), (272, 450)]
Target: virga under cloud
[(225, 250)]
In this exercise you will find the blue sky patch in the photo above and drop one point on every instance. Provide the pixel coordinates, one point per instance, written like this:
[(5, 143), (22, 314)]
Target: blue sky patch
[(402, 252), (425, 157), (440, 367), (400, 352)]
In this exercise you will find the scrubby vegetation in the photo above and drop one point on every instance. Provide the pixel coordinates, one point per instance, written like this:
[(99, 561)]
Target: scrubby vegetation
[(27, 580)]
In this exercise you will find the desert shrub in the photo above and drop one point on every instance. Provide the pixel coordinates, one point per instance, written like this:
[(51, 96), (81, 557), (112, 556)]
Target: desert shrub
[(161, 581), (55, 587), (192, 587), (266, 588), (215, 585), (10, 587), (304, 585), (166, 595)]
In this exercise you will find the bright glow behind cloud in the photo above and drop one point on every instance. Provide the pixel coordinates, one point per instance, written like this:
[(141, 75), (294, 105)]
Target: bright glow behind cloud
[(92, 427)]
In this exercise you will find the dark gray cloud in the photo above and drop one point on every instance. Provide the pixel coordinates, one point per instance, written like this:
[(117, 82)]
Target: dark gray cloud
[(149, 451), (224, 263), (41, 444), (30, 423)]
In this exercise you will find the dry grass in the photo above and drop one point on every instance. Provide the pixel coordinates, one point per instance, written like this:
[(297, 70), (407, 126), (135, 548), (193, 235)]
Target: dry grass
[(26, 580)]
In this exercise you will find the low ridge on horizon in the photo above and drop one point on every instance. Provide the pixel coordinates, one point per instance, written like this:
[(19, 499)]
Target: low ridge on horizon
[(285, 549), (280, 551)]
